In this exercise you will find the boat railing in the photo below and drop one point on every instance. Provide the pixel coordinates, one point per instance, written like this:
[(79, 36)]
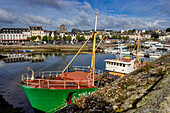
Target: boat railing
[(78, 68), (47, 83), (49, 73), (42, 76), (69, 69), (24, 76)]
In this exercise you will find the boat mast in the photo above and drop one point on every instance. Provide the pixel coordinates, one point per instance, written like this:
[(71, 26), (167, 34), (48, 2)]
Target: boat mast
[(136, 61), (93, 52)]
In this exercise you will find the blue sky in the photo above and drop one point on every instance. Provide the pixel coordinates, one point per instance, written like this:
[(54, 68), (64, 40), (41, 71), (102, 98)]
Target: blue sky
[(113, 14)]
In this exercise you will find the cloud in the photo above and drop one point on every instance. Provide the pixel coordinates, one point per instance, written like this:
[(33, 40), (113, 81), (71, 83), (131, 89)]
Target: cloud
[(116, 15), (33, 20), (57, 4), (6, 17), (119, 22), (166, 5)]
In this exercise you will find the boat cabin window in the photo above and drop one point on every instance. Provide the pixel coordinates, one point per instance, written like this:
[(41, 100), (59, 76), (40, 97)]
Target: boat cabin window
[(114, 63), (120, 64), (117, 64), (123, 65)]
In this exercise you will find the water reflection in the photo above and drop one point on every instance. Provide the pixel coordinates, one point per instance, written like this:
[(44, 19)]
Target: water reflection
[(10, 73)]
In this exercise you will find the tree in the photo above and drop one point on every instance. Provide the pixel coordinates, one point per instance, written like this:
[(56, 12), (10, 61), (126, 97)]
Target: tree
[(168, 30), (134, 30), (49, 37), (114, 36), (55, 37), (155, 39), (60, 38), (33, 38), (127, 37), (82, 38), (78, 37), (97, 38), (108, 36), (64, 38), (154, 35), (69, 38), (44, 38), (38, 36)]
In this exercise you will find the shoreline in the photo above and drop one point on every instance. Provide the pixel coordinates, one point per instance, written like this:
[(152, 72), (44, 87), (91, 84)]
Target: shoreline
[(53, 48)]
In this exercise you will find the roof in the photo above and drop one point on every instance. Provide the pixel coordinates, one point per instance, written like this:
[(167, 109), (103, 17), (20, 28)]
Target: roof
[(120, 60), (35, 28), (62, 25)]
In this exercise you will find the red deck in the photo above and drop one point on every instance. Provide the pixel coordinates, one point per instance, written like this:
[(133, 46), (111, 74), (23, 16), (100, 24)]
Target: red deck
[(68, 80), (78, 75)]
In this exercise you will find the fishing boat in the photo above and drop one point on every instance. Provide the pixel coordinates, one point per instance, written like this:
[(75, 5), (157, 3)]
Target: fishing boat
[(50, 91), (154, 55), (124, 65), (111, 50)]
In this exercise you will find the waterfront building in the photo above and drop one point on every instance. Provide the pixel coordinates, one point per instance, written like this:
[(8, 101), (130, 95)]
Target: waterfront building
[(36, 31), (76, 30), (100, 31), (46, 33), (63, 28), (14, 35), (51, 33)]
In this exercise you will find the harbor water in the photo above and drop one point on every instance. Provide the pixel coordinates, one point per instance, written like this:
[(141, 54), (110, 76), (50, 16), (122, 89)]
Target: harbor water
[(10, 73)]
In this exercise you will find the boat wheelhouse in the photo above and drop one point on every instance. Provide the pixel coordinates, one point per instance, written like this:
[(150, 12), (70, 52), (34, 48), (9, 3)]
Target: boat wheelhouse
[(120, 66)]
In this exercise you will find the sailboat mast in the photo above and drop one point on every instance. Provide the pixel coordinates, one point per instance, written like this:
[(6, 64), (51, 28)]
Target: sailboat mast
[(93, 52)]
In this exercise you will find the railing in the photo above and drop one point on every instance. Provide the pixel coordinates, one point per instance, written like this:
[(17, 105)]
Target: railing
[(69, 69), (40, 80), (47, 83)]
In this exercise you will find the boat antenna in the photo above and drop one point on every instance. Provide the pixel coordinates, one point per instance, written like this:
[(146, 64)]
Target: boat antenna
[(137, 59), (96, 22), (94, 50)]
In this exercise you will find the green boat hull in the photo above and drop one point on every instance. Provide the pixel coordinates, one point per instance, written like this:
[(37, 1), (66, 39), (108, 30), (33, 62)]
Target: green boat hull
[(49, 100)]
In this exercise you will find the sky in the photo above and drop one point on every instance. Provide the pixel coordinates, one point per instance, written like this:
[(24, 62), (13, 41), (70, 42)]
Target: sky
[(80, 14)]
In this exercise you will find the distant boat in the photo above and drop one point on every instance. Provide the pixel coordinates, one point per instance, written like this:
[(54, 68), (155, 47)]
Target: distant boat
[(158, 46), (123, 66), (121, 46), (154, 55), (22, 51)]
